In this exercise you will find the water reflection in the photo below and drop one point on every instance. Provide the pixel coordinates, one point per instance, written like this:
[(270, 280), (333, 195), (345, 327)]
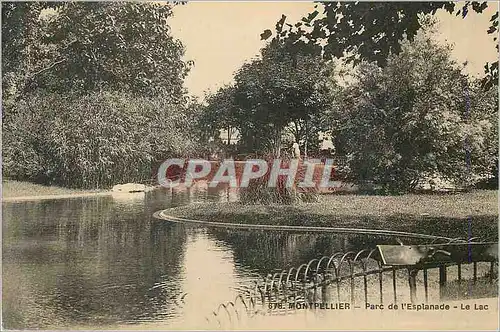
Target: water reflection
[(267, 251), (87, 260), (101, 262)]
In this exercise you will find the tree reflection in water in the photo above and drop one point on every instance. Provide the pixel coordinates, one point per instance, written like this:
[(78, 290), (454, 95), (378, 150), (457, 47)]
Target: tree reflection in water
[(103, 261), (91, 261)]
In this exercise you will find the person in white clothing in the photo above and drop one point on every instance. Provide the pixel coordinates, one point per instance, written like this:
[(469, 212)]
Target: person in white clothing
[(296, 150)]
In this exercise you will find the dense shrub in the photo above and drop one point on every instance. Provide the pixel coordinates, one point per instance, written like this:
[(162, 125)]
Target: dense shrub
[(419, 117), (92, 141)]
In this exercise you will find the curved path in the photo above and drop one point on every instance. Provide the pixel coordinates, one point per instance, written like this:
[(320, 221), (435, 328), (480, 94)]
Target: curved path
[(163, 215)]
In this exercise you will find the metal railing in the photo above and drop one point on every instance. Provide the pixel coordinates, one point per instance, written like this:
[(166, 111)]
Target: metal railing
[(358, 279)]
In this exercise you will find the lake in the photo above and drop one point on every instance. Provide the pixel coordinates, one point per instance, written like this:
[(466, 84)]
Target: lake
[(104, 262)]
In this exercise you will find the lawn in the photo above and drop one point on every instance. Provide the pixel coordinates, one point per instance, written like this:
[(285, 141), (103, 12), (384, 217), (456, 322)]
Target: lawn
[(449, 214)]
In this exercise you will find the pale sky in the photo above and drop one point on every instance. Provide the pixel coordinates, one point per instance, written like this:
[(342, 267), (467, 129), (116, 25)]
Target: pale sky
[(221, 36)]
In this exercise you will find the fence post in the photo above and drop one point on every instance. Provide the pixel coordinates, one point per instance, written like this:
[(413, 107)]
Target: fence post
[(394, 284), (426, 286), (412, 279), (442, 280), (325, 297)]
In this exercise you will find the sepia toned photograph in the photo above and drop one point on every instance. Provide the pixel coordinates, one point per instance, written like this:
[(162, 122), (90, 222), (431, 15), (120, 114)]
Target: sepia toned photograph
[(249, 165)]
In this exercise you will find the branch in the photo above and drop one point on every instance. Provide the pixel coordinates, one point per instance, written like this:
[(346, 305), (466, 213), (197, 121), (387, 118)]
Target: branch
[(57, 62), (46, 68)]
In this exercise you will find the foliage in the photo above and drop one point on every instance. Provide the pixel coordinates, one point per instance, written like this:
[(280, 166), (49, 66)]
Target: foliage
[(416, 117), (88, 46), (306, 132), (92, 141), (372, 31), (218, 113), (92, 92), (284, 86)]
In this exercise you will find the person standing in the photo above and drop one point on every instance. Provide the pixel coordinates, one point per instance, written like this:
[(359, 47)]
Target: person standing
[(296, 150)]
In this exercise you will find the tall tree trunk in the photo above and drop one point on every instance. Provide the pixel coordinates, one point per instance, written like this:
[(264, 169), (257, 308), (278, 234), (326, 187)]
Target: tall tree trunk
[(307, 137), (277, 143), (297, 131)]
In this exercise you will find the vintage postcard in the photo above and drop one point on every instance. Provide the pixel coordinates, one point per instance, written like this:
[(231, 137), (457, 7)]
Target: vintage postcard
[(287, 165)]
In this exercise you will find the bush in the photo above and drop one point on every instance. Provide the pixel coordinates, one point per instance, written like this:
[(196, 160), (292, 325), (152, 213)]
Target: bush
[(415, 118), (91, 141)]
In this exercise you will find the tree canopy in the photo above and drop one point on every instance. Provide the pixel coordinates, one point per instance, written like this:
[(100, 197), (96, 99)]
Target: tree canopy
[(88, 46), (372, 30), (417, 117), (269, 93), (92, 92)]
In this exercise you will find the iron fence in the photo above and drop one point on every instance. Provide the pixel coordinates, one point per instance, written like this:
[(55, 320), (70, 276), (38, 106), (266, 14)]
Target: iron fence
[(360, 279)]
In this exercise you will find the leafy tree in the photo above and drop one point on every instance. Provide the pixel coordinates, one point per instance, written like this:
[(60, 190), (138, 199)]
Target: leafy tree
[(372, 30), (82, 46), (220, 112), (21, 33), (306, 132), (281, 87), (416, 117), (53, 139), (92, 92)]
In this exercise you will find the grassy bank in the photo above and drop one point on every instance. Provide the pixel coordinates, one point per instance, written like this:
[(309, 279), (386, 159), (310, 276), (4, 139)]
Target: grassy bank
[(431, 214), (11, 188)]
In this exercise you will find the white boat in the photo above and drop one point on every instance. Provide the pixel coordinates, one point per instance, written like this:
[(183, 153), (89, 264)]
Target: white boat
[(129, 188)]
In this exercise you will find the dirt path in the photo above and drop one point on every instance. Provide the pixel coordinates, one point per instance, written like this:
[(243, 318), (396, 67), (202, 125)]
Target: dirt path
[(60, 196)]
